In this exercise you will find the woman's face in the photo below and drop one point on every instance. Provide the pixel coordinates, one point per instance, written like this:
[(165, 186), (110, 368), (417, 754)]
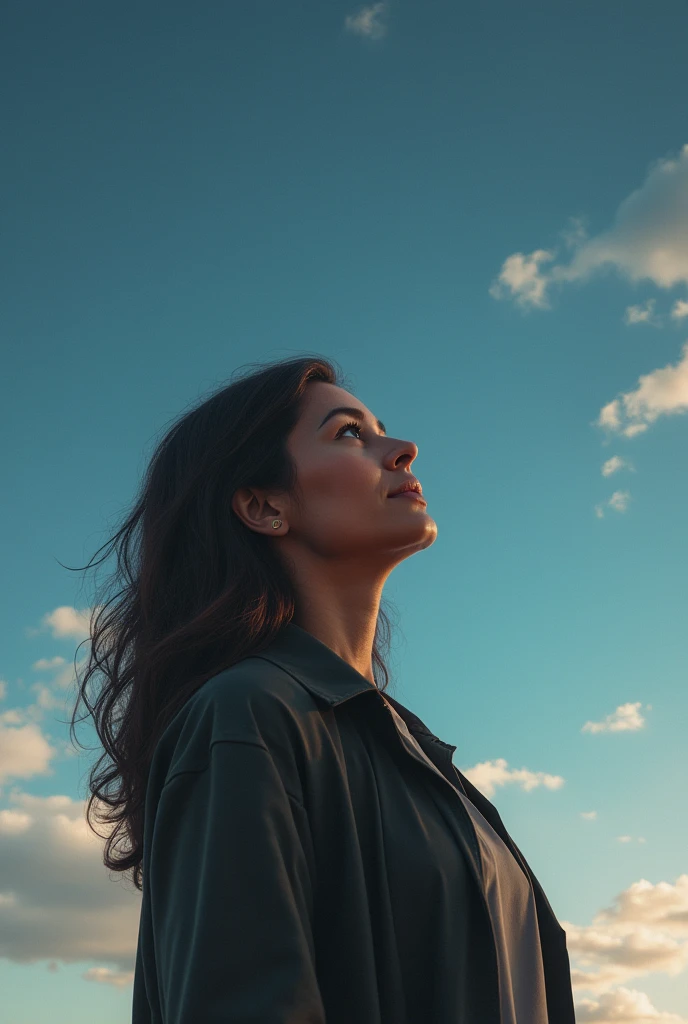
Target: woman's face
[(346, 468)]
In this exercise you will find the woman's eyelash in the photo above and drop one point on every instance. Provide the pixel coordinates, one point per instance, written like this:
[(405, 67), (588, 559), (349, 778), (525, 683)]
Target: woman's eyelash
[(345, 426)]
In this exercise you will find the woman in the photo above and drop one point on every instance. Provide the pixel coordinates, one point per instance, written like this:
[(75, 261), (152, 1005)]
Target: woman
[(306, 850)]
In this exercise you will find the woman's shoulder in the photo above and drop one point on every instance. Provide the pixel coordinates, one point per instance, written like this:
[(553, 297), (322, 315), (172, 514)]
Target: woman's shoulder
[(250, 693), (252, 701)]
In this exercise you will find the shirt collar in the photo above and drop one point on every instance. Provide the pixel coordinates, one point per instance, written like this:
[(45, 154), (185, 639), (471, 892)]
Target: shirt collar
[(327, 676)]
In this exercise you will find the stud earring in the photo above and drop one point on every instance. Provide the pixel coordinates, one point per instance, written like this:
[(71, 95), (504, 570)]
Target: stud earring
[(276, 523)]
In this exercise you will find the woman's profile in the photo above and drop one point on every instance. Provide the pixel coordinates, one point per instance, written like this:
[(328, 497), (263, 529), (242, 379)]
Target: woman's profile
[(306, 850)]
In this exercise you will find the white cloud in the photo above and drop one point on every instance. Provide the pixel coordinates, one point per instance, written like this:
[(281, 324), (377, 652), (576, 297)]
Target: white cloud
[(24, 751), (64, 672), (626, 718), (614, 464), (67, 621), (63, 622), (645, 931), (46, 699), (680, 309), (367, 22), (521, 275), (618, 502), (3, 689), (63, 677), (47, 664), (662, 392), (648, 240), (58, 900), (589, 815), (642, 314), (623, 1006), (487, 775)]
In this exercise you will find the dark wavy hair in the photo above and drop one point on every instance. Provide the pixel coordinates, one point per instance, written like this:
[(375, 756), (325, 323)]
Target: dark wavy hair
[(195, 590)]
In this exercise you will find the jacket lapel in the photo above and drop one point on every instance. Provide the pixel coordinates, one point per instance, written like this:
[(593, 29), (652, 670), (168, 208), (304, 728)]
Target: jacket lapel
[(547, 920)]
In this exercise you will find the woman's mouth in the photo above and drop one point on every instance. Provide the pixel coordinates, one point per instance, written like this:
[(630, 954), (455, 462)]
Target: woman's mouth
[(409, 494)]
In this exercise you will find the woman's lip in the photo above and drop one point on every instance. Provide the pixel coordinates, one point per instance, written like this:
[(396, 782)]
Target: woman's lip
[(409, 494)]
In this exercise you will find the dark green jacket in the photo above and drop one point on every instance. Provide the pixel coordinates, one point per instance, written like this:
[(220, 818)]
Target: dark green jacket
[(302, 866)]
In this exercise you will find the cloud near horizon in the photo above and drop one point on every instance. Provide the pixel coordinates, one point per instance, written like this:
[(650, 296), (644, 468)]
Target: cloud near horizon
[(58, 901)]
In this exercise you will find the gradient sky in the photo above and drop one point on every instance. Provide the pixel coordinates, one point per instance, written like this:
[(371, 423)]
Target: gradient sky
[(481, 212)]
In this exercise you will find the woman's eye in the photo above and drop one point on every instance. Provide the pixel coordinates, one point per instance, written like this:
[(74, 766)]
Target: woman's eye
[(348, 426)]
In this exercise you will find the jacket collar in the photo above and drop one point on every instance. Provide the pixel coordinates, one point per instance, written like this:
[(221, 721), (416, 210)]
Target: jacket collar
[(327, 676)]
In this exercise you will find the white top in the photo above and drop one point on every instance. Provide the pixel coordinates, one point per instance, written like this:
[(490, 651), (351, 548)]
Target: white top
[(512, 908)]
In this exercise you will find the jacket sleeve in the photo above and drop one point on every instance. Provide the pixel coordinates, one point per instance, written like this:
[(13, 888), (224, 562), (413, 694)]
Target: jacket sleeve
[(231, 896)]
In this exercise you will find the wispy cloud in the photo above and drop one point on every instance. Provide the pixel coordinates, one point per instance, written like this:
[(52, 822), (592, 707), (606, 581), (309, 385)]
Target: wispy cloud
[(487, 775), (614, 464), (64, 623), (648, 240), (368, 21), (48, 664), (662, 392), (617, 502), (626, 718), (643, 314)]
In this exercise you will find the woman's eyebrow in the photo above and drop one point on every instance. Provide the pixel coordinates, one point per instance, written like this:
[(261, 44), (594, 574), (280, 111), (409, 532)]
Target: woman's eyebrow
[(350, 411)]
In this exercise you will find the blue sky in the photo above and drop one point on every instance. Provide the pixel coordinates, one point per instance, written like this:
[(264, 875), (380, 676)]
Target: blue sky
[(481, 212)]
